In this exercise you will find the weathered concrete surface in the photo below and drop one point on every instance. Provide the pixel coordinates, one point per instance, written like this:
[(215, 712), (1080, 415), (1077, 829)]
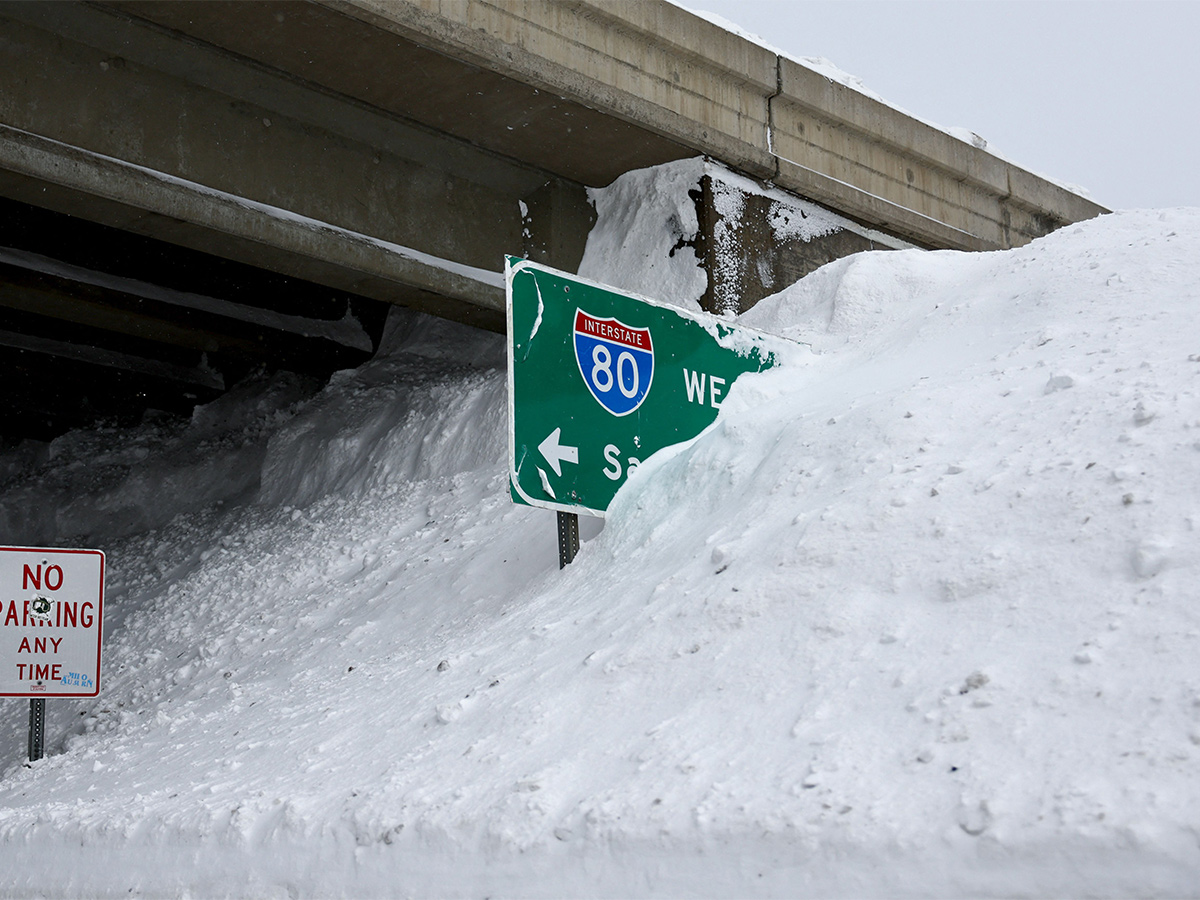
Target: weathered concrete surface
[(393, 151), (681, 77), (755, 240), (124, 97), (415, 122), (864, 158)]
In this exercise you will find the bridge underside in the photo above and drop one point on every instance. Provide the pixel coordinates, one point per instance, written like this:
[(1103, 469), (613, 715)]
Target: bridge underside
[(177, 214), (100, 323), (191, 191)]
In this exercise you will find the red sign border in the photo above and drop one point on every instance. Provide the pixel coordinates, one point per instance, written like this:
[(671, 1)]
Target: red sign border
[(46, 695)]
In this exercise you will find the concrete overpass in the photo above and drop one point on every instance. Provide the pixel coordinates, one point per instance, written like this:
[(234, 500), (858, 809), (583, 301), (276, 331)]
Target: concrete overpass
[(190, 190)]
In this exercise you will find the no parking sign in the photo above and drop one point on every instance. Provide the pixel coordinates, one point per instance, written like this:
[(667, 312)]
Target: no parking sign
[(51, 622)]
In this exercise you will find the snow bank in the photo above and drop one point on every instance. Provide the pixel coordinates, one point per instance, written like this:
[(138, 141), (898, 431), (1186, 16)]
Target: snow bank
[(916, 618), (110, 482), (646, 230), (642, 242)]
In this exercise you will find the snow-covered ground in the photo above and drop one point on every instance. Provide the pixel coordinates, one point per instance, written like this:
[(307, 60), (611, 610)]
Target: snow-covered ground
[(916, 617)]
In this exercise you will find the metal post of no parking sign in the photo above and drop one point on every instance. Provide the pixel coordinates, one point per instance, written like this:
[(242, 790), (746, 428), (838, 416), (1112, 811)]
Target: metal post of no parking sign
[(51, 628), (37, 728)]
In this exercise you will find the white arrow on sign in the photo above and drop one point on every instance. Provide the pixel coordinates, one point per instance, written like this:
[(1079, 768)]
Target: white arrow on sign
[(556, 453)]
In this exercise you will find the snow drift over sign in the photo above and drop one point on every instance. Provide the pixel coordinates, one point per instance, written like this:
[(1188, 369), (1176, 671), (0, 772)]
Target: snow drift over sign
[(397, 419), (916, 617), (645, 228)]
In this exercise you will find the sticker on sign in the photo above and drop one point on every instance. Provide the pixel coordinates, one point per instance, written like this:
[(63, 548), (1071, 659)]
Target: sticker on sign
[(51, 622), (599, 379)]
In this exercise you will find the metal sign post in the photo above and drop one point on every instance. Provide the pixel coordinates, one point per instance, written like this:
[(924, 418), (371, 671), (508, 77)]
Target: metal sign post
[(599, 379), (37, 729), (568, 538), (51, 628)]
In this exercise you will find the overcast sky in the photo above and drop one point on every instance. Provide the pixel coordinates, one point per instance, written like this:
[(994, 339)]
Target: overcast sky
[(1103, 95)]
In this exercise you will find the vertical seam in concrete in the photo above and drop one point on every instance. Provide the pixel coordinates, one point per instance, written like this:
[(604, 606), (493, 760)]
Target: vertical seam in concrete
[(1005, 215), (771, 115)]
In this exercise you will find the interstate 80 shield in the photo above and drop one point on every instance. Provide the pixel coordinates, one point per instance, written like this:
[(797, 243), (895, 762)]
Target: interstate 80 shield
[(616, 361)]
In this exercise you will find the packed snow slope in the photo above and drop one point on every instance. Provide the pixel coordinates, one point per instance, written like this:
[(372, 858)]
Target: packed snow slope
[(918, 616)]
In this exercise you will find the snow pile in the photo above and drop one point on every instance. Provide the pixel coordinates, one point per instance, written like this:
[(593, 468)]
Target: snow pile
[(644, 239), (111, 482), (647, 231), (915, 617)]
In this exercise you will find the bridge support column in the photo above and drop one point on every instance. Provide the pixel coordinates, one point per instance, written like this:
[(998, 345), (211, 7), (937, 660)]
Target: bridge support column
[(756, 240)]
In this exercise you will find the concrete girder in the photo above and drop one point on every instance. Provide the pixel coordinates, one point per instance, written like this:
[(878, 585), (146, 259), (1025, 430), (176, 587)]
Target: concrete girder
[(675, 75), (395, 150), (419, 124), (137, 129), (110, 191)]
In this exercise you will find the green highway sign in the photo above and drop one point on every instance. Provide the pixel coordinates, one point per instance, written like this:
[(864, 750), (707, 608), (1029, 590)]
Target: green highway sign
[(598, 380)]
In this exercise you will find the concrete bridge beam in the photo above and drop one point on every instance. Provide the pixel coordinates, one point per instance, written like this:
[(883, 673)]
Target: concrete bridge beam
[(137, 129), (345, 153)]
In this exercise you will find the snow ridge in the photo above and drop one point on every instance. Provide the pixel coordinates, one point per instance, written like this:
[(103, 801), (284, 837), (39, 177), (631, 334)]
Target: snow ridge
[(914, 618)]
